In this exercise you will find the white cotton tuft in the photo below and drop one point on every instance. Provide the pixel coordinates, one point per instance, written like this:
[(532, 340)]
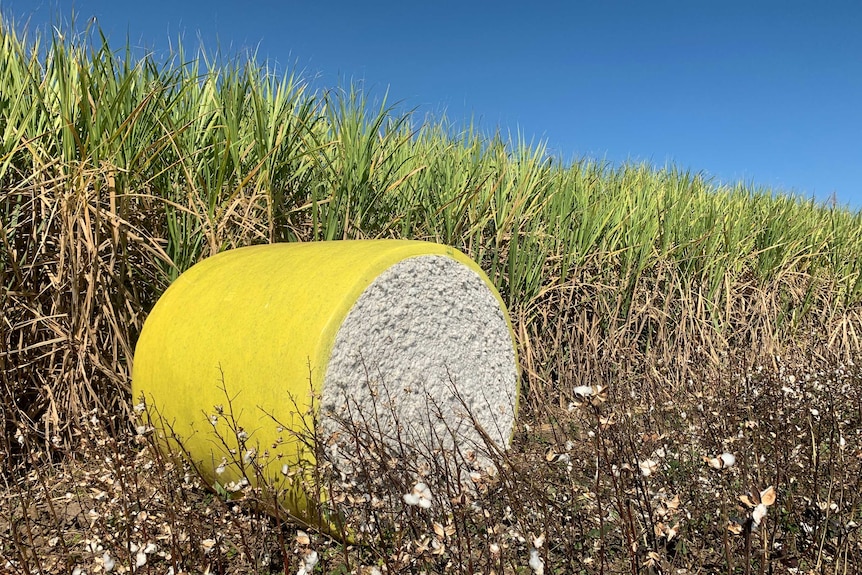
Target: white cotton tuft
[(536, 563), (107, 562), (759, 513)]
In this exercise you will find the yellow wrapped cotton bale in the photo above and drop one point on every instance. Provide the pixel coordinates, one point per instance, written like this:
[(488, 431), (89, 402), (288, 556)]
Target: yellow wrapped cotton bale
[(253, 347)]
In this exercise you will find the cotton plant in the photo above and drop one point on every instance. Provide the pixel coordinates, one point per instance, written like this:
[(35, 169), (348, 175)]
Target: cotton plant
[(757, 504)]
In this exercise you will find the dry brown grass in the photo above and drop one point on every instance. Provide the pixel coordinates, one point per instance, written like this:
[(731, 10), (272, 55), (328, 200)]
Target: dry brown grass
[(80, 268)]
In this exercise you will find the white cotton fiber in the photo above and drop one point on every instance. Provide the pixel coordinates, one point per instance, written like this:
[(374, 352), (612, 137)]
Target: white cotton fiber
[(425, 332)]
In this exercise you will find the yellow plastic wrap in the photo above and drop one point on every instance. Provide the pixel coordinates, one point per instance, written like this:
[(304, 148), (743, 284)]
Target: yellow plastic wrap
[(233, 353)]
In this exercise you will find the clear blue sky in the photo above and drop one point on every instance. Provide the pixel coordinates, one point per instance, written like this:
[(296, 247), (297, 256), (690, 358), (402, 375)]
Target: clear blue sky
[(769, 93)]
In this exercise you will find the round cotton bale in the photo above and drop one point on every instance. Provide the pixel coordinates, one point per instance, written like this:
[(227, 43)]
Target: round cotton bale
[(252, 351)]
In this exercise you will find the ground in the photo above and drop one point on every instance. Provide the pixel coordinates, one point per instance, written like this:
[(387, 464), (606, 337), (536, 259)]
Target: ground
[(753, 469)]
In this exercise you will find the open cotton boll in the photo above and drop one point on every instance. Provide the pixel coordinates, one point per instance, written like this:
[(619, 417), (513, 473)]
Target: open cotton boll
[(308, 563), (536, 563), (759, 513), (723, 461), (420, 495), (108, 562)]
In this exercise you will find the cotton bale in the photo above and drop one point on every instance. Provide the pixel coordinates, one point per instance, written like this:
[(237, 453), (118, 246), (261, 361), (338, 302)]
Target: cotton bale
[(250, 350)]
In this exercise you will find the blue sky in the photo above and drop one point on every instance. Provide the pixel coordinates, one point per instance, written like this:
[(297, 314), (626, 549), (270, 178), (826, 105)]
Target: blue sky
[(769, 93)]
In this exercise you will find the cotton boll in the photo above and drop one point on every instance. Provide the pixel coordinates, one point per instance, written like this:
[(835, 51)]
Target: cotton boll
[(536, 563), (648, 467), (422, 490), (107, 562), (421, 496), (308, 563), (758, 513), (311, 560)]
